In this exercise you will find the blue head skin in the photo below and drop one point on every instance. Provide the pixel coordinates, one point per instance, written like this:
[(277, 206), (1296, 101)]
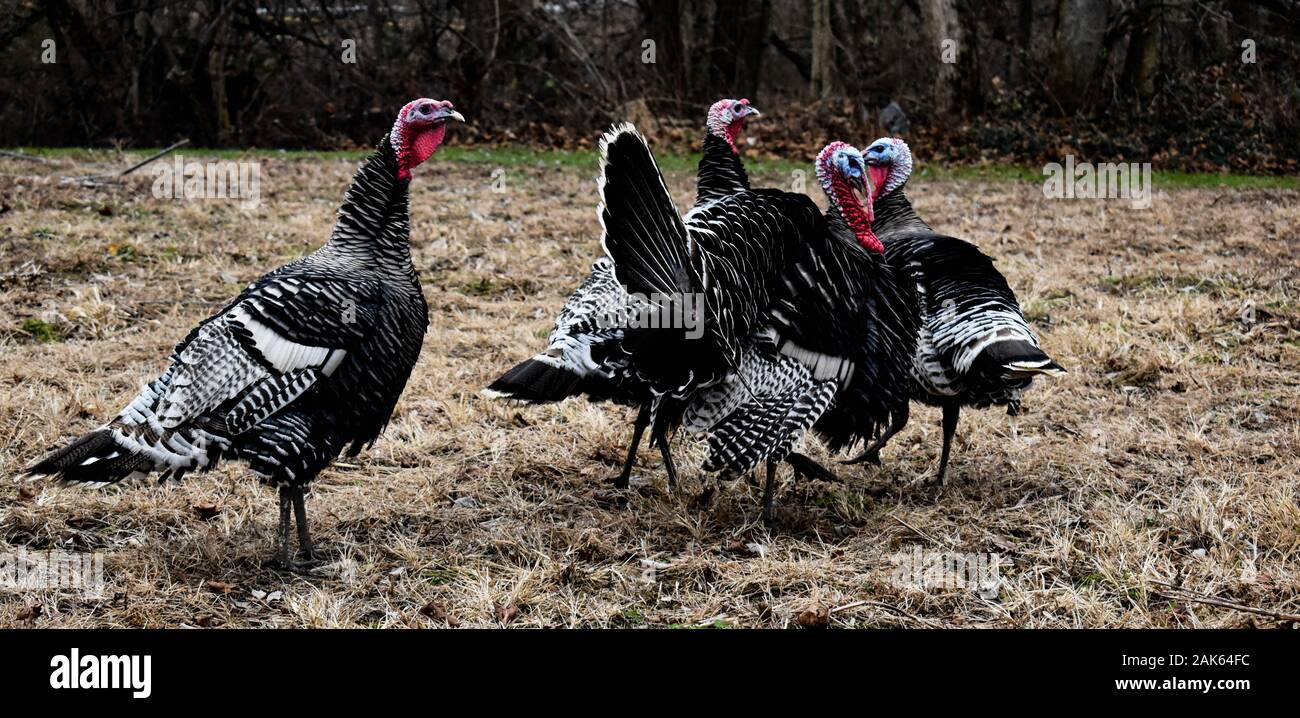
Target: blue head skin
[(843, 175), (850, 163), (890, 162), (881, 152), (844, 161)]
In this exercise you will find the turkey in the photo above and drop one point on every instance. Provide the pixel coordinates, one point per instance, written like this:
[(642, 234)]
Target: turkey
[(584, 354), (720, 172), (844, 311), (974, 347), (306, 362), (766, 264)]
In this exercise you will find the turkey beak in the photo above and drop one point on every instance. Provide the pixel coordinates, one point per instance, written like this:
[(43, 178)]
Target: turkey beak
[(861, 186), (449, 114), (752, 111)]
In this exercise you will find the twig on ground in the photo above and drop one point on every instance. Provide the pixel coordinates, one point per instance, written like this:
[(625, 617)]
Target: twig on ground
[(92, 180), (917, 531), (1184, 594), (162, 153), (24, 156), (893, 609)]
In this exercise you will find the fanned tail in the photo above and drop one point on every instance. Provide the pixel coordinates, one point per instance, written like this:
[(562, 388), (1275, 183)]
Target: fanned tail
[(643, 233)]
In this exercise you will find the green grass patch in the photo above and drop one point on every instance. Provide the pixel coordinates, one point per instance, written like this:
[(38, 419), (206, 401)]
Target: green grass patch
[(521, 156), (439, 576), (41, 331), (480, 288)]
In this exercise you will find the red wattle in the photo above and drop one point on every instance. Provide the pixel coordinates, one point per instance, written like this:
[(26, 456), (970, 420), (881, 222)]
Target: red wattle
[(855, 215), (733, 130), (879, 175), (417, 147)]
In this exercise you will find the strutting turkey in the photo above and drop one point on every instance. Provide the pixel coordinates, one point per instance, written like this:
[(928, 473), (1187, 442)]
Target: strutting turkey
[(773, 272), (306, 362), (843, 310), (585, 353), (974, 347)]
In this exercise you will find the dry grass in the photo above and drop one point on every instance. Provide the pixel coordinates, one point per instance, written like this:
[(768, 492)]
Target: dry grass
[(1167, 456)]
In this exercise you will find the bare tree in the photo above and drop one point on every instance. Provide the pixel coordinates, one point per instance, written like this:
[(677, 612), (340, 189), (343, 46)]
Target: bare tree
[(953, 44), (823, 50), (1143, 55), (1076, 55)]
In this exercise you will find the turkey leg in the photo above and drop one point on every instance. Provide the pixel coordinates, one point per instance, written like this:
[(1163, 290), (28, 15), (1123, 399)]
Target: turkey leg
[(305, 548), (951, 412), (642, 421), (768, 490)]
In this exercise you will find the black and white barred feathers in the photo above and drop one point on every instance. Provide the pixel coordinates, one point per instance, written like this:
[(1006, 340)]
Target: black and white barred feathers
[(585, 353), (843, 310), (732, 382), (760, 411), (974, 346), (307, 361)]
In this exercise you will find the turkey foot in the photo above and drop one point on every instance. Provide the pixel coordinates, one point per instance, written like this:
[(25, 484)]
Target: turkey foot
[(805, 466), (291, 500)]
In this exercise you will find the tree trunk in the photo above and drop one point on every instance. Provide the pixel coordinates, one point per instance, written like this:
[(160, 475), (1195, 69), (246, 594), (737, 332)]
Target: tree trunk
[(739, 35), (1143, 56), (823, 50), (1079, 37), (1024, 43), (754, 28), (217, 83), (952, 40), (665, 21)]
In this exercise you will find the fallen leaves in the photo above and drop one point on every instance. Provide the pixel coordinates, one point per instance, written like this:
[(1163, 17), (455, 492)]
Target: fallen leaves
[(505, 613), (817, 616), (749, 548), (220, 587), (436, 612)]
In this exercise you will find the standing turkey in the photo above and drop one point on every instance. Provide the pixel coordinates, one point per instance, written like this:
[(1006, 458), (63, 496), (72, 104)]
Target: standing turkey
[(306, 362), (771, 270), (845, 312), (585, 354), (974, 347)]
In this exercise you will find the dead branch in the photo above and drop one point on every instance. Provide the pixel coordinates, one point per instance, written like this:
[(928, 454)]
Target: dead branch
[(24, 156), (1183, 594), (163, 153), (94, 180)]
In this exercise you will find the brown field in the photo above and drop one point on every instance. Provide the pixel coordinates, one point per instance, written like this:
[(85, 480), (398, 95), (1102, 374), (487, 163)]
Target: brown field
[(1154, 486)]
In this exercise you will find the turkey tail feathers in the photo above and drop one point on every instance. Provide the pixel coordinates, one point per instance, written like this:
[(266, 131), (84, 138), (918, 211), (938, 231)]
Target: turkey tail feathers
[(96, 457), (535, 382), (643, 233), (766, 428), (1019, 359)]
